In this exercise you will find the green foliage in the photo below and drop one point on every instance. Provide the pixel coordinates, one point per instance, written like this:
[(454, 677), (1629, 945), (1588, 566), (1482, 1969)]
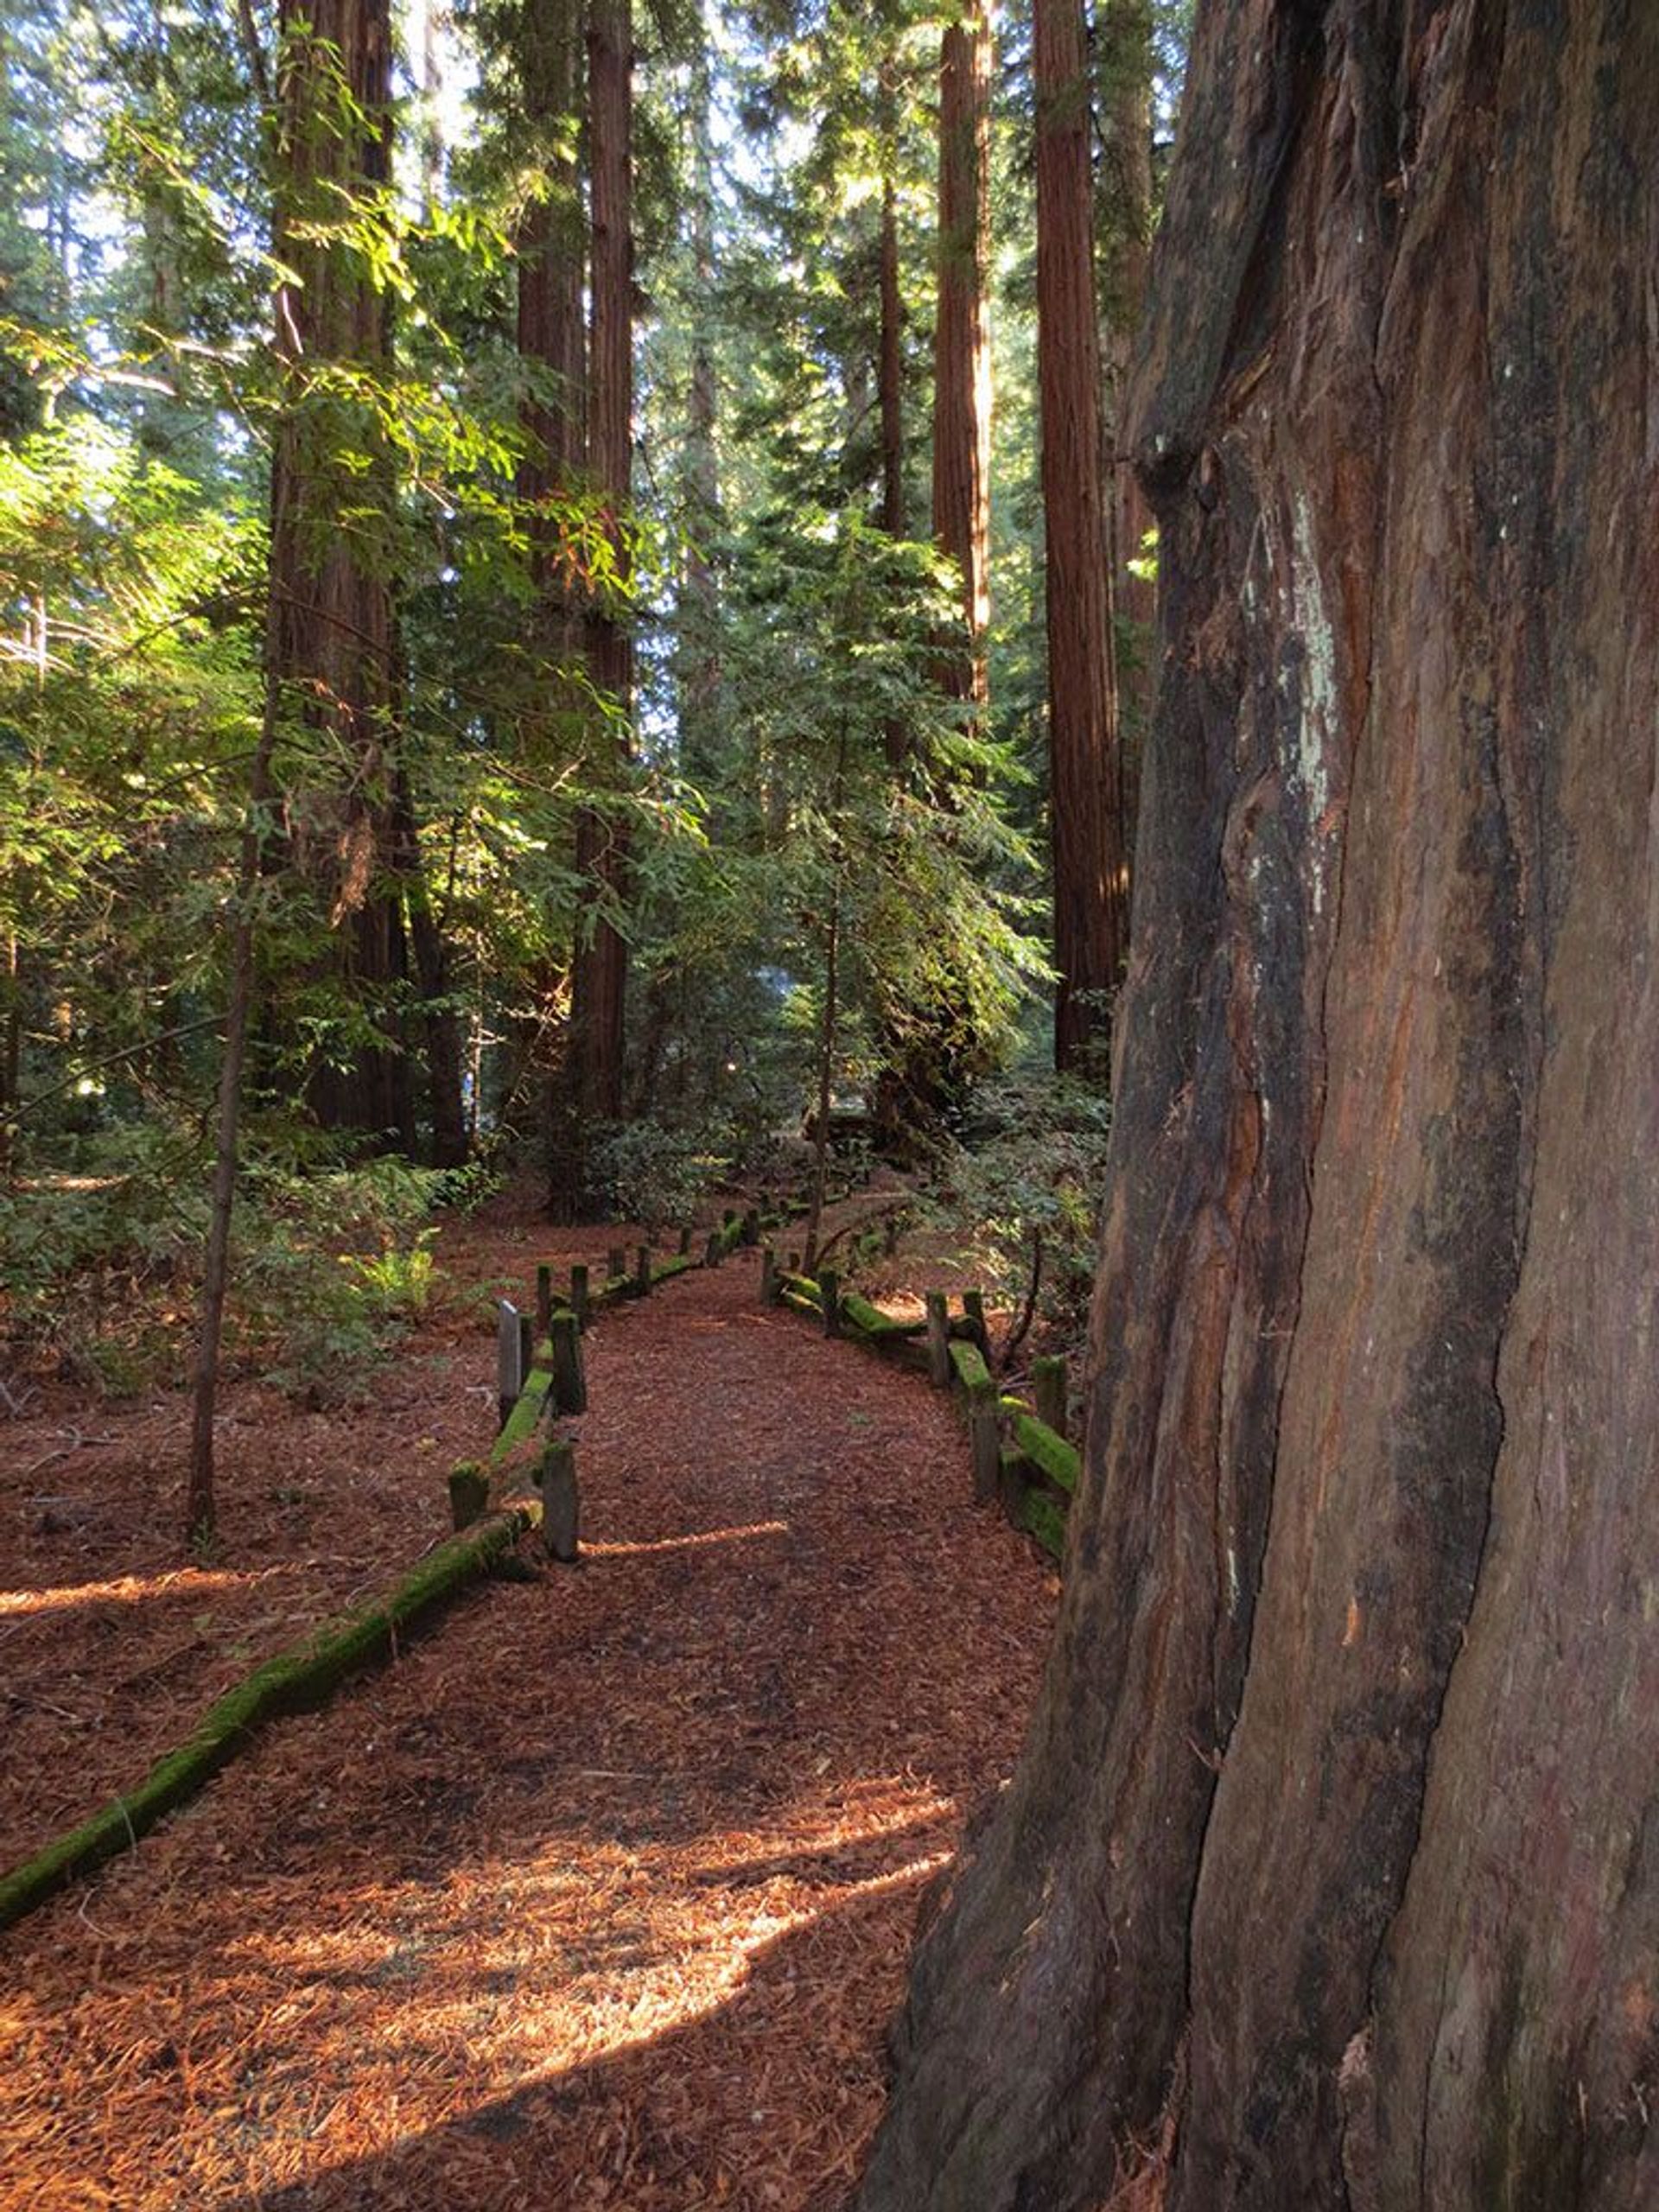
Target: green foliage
[(654, 1175), (1022, 1187)]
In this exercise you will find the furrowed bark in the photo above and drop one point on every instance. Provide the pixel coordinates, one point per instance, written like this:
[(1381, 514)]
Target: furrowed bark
[(1329, 1868)]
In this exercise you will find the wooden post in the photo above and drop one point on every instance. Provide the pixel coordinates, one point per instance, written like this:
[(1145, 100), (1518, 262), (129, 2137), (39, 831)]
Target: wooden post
[(685, 1240), (938, 1340), (616, 1262), (987, 1442), (509, 1358), (752, 1226), (469, 1493), (543, 1302), (890, 1234), (768, 1276), (711, 1258), (642, 1271), (829, 1298), (1048, 1390), (794, 1264), (555, 1477), (579, 1295), (569, 1380), (973, 1305)]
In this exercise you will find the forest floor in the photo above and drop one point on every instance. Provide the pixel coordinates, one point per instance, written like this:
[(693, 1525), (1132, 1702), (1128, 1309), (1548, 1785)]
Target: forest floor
[(601, 1893)]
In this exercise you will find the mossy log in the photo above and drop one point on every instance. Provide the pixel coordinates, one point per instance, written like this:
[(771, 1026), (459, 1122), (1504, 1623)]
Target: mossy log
[(522, 1422), (1040, 1518), (799, 1302), (968, 1362), (793, 1285), (665, 1270), (302, 1676), (1049, 1454), (873, 1321)]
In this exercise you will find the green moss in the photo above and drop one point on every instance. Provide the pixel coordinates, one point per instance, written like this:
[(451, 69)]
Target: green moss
[(1051, 1454), (970, 1364), (301, 1676), (1040, 1518)]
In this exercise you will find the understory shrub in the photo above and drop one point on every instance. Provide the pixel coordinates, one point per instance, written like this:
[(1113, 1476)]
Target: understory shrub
[(1022, 1187)]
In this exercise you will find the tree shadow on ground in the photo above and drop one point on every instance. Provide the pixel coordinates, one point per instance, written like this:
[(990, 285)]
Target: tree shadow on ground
[(686, 2118)]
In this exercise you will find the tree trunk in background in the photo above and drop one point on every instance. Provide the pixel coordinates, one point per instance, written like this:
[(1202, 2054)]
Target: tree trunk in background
[(1124, 200), (1086, 825), (552, 260), (698, 623), (598, 971), (1329, 1870), (962, 350), (331, 647), (890, 359)]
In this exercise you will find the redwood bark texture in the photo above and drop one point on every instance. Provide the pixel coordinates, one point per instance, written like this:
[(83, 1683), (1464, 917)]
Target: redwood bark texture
[(961, 347), (1085, 787), (1330, 1878), (330, 634)]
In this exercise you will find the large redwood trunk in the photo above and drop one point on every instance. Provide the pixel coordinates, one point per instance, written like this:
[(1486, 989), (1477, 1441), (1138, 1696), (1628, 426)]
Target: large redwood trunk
[(962, 349), (331, 639), (1085, 788), (1328, 1876)]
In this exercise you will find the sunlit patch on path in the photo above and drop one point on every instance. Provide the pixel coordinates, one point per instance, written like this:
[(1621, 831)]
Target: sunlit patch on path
[(602, 1895)]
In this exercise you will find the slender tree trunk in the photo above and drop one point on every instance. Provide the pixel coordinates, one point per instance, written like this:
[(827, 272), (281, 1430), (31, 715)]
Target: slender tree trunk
[(962, 355), (1328, 1877), (1124, 76), (1085, 793), (552, 331), (599, 969), (896, 518), (11, 1055), (698, 612), (200, 1505), (440, 1020)]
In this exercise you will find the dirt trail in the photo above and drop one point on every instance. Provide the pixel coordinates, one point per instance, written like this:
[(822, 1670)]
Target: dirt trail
[(601, 1895)]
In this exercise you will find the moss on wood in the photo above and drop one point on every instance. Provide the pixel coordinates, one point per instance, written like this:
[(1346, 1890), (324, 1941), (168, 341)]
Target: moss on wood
[(1040, 1518), (873, 1321), (302, 1676), (1049, 1453), (969, 1363)]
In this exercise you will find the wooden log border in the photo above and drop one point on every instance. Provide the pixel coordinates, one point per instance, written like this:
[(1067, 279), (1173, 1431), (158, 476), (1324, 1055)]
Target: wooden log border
[(302, 1675), (1017, 1457), (306, 1673)]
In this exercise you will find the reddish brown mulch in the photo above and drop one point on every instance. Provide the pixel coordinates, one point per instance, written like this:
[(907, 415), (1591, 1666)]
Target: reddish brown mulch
[(602, 1894)]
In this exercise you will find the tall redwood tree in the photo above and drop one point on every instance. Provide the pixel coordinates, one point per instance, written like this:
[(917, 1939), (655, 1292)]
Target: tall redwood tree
[(961, 346), (1087, 841), (331, 645), (1327, 1879)]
